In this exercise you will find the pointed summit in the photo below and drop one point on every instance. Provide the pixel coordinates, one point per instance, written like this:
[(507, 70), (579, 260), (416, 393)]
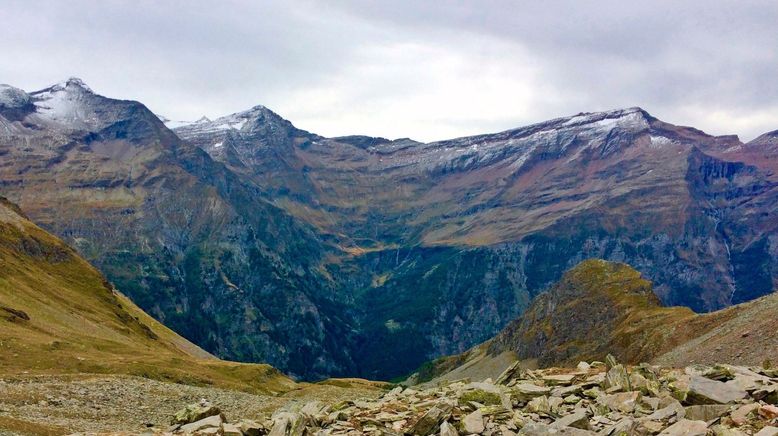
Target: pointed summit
[(77, 83), (69, 84)]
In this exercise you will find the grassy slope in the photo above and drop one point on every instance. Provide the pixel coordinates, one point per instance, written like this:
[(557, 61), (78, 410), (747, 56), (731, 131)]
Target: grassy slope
[(77, 324), (602, 307), (745, 334)]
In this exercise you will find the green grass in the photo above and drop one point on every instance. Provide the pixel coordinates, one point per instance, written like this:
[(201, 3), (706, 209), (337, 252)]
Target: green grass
[(78, 324)]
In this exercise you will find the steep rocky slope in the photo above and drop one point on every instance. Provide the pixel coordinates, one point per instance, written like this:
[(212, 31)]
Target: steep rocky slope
[(600, 308), (58, 315), (187, 239)]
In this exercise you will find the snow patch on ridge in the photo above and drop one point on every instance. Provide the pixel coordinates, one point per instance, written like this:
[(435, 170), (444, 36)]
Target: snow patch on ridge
[(659, 141), (64, 102)]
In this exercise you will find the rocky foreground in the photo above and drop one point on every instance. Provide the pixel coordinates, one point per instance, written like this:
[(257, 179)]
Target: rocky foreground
[(594, 399)]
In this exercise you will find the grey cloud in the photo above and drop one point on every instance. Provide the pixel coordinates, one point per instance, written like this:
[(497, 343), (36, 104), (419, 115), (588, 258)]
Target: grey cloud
[(374, 67)]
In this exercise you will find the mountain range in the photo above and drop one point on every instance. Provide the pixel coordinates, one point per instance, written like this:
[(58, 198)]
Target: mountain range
[(259, 241)]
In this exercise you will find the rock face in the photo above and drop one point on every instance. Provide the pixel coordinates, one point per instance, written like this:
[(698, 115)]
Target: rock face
[(362, 256)]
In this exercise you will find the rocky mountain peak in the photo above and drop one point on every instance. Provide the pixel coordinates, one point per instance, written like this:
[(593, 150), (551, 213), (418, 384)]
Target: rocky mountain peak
[(75, 82), (71, 84), (632, 119), (234, 121), (68, 103), (634, 115), (238, 137)]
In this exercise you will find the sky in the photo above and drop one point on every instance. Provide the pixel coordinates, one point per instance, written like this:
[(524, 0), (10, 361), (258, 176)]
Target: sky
[(406, 68)]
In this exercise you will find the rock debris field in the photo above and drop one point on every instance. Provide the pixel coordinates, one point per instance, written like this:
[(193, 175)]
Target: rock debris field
[(598, 398), (593, 399)]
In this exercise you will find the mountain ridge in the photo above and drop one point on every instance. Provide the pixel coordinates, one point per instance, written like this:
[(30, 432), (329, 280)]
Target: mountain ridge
[(421, 249)]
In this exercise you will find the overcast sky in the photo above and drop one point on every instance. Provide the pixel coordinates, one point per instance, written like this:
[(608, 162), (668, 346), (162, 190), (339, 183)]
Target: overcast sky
[(408, 68)]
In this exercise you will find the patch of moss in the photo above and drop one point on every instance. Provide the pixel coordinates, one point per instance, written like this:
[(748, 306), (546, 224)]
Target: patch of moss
[(480, 396)]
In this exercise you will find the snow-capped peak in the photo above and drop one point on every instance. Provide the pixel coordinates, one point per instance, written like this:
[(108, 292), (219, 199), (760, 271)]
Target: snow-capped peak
[(66, 102), (629, 115), (234, 121), (70, 84)]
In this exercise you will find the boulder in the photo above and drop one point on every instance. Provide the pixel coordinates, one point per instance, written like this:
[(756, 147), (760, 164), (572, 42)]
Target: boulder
[(686, 427), (624, 402), (720, 430), (767, 431), (528, 391), (741, 415), (509, 374), (446, 429), (281, 423), (625, 426), (649, 427), (539, 405), (429, 422), (768, 412), (617, 378), (231, 430), (768, 394), (674, 409), (700, 390), (195, 412), (539, 429), (579, 419), (473, 423), (252, 428), (480, 396), (706, 412), (211, 422), (559, 379)]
